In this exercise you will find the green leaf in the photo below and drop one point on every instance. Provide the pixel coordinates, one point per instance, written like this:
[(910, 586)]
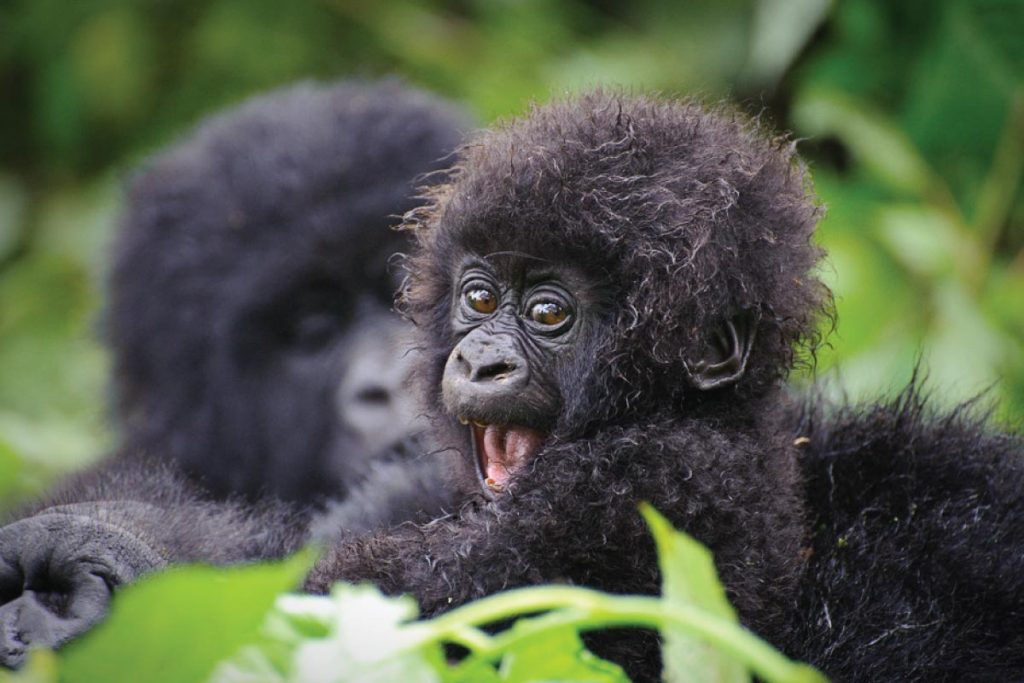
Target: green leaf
[(959, 100), (693, 595), (557, 655), (964, 350), (10, 471), (472, 671), (689, 578), (13, 210), (41, 667), (923, 240), (175, 626), (872, 138), (688, 570), (992, 29), (781, 30)]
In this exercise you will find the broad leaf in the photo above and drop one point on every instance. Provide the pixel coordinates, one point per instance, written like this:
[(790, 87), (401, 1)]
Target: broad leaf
[(884, 150), (176, 626), (689, 578), (556, 656), (693, 595)]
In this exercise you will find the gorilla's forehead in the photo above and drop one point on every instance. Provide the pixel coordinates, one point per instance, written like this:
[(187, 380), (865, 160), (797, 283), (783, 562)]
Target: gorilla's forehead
[(522, 269), (521, 236)]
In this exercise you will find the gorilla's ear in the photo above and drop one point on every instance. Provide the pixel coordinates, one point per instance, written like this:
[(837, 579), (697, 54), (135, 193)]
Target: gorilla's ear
[(724, 356)]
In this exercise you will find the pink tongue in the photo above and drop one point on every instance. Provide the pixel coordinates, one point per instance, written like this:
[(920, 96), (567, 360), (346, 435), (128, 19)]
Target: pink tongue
[(507, 448)]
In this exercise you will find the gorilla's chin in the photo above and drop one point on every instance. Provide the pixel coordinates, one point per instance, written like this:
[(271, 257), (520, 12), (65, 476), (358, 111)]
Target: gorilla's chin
[(501, 450)]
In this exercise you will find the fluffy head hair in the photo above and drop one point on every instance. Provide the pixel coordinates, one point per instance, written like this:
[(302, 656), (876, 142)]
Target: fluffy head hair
[(689, 214)]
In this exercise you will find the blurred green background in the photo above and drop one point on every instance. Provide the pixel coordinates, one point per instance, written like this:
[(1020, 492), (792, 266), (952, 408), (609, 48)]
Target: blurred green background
[(910, 112)]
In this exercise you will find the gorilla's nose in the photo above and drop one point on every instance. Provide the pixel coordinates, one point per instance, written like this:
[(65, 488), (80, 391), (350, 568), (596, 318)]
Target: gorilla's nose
[(373, 394), (373, 397), (490, 360)]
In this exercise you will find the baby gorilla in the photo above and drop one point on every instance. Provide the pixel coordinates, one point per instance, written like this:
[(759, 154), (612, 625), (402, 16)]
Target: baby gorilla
[(609, 294), (250, 317)]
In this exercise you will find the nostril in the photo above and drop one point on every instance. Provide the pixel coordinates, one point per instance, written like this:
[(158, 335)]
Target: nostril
[(498, 372), (374, 395)]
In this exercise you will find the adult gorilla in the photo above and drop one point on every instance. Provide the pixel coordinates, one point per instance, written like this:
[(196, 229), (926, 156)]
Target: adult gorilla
[(250, 317), (609, 293)]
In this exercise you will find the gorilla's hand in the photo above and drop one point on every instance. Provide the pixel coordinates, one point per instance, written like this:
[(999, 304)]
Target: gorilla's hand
[(57, 571)]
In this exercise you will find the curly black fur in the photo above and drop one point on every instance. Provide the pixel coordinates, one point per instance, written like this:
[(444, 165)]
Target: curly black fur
[(687, 216), (666, 203), (276, 209)]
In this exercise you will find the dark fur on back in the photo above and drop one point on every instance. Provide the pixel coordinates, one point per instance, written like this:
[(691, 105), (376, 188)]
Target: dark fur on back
[(278, 205), (916, 569)]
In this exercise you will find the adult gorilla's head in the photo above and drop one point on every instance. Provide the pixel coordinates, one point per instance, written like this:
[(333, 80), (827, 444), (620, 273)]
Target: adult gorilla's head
[(251, 291), (606, 260)]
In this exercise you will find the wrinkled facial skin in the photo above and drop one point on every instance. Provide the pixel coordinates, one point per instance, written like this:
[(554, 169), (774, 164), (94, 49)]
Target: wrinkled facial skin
[(515, 320), (527, 328)]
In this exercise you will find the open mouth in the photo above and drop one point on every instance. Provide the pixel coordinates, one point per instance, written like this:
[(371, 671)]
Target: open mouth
[(501, 450)]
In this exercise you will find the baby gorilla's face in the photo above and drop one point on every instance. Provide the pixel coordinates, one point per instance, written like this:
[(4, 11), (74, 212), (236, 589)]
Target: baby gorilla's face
[(517, 320), (528, 334)]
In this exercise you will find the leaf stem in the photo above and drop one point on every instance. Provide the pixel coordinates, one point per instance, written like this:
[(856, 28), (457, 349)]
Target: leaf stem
[(471, 638), (586, 609)]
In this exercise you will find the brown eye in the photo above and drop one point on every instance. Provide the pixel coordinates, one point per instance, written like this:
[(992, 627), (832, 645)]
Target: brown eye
[(481, 300), (548, 313)]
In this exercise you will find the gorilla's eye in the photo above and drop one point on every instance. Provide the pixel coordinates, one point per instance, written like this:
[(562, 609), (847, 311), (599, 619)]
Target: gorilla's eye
[(314, 330), (481, 300), (548, 313)]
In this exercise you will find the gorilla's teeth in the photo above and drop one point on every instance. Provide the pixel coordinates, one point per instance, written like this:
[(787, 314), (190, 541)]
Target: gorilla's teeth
[(481, 425), (463, 421)]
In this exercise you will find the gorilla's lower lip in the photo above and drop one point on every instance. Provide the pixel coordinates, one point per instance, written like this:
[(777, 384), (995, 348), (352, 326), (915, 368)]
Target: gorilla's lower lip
[(501, 450)]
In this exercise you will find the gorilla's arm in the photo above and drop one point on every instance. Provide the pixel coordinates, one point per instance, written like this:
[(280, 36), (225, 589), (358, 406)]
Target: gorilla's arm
[(153, 500), (62, 558)]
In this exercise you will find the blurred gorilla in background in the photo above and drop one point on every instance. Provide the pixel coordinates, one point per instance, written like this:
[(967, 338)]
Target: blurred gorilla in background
[(252, 284)]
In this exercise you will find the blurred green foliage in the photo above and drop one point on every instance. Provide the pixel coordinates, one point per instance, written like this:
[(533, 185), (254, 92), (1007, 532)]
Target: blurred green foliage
[(910, 112)]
